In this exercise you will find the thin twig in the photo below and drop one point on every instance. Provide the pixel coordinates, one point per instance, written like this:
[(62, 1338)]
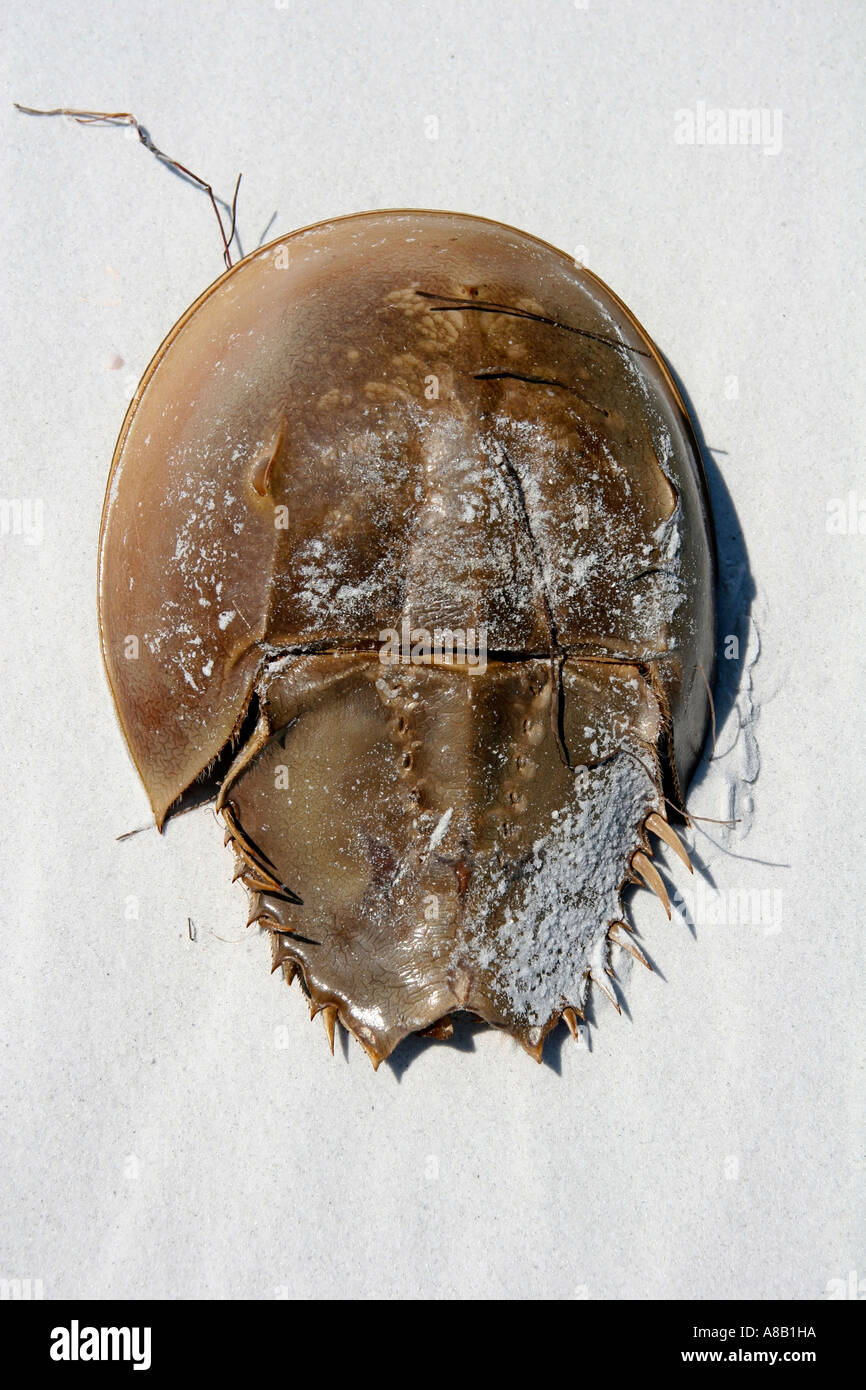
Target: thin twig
[(712, 710), (125, 118), (128, 834), (690, 816)]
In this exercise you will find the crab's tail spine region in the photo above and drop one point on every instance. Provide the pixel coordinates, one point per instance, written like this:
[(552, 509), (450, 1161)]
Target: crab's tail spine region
[(618, 934), (643, 872), (570, 1017), (281, 956), (665, 831), (643, 869), (597, 978), (256, 878), (330, 1015)]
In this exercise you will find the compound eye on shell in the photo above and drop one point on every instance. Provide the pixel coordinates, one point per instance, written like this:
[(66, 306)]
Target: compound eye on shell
[(406, 561)]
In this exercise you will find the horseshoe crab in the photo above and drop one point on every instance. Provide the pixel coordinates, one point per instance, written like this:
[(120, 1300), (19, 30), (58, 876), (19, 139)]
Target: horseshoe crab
[(406, 559)]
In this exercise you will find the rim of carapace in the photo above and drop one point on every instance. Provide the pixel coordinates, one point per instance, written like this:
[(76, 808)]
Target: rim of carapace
[(167, 341)]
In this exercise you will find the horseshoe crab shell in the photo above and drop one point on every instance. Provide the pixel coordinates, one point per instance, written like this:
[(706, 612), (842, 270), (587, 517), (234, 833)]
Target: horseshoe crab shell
[(366, 436)]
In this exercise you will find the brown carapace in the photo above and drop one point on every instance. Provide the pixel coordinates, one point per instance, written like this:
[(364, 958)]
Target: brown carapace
[(406, 559)]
